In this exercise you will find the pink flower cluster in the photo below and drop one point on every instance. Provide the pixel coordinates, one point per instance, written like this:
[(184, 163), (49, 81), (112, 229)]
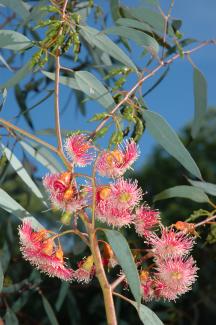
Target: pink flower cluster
[(174, 272)]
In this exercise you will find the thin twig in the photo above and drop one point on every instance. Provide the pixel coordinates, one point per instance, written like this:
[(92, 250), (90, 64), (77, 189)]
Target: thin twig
[(205, 221), (166, 21)]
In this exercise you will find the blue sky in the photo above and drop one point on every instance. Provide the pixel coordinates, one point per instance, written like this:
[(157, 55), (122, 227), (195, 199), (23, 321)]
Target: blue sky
[(173, 98)]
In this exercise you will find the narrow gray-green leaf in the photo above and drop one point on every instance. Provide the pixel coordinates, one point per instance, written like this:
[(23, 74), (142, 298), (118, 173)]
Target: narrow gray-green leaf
[(67, 81), (42, 155), (4, 96), (128, 22), (49, 311), (5, 256), (20, 7), (200, 101), (8, 204), (125, 259), (1, 277), (12, 40), (183, 191), (104, 43), (62, 295), (94, 88), (17, 77), (147, 316), (4, 62), (21, 171), (206, 187), (137, 36), (10, 318), (169, 140)]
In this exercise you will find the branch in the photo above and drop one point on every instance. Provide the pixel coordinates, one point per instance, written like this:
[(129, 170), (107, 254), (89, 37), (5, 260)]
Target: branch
[(143, 79)]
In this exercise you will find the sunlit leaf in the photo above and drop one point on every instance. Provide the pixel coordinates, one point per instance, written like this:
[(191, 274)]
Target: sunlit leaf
[(42, 155), (4, 96), (206, 187), (200, 101), (21, 171), (67, 81), (17, 77), (49, 311), (137, 36), (20, 7), (125, 259), (183, 191), (4, 62), (127, 22), (147, 316), (12, 40), (94, 88), (169, 140), (8, 204), (104, 43)]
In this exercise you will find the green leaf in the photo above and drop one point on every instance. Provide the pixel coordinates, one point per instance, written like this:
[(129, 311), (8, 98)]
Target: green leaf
[(1, 277), (128, 22), (137, 36), (147, 316), (4, 62), (4, 96), (17, 77), (169, 140), (206, 187), (200, 101), (152, 18), (92, 87), (5, 256), (114, 6), (42, 155), (183, 191), (21, 171), (10, 318), (125, 259), (62, 295), (12, 40), (67, 81), (104, 43), (49, 311), (21, 97), (8, 204), (18, 6)]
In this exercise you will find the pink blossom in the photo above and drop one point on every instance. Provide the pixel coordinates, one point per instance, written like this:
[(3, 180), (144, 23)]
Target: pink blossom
[(115, 163), (79, 149), (145, 220), (171, 244), (125, 194), (40, 250), (107, 212), (63, 192), (175, 276), (85, 271)]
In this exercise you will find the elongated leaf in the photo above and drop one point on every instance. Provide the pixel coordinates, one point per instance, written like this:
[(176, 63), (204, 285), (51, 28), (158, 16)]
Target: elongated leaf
[(152, 18), (128, 22), (18, 6), (21, 171), (1, 277), (104, 43), (62, 295), (4, 62), (183, 191), (10, 318), (137, 36), (43, 156), (92, 87), (21, 97), (200, 101), (10, 205), (168, 139), (12, 40), (67, 81), (206, 187), (4, 96), (17, 77), (5, 256), (125, 259), (114, 6), (49, 311), (147, 316)]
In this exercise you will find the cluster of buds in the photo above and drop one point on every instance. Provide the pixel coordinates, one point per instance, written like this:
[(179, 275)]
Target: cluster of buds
[(117, 203)]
